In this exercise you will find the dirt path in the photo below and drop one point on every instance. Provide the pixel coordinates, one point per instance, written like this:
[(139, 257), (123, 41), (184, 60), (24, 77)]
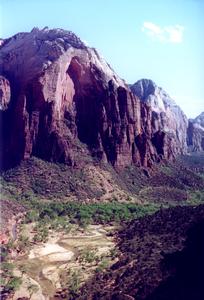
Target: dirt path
[(47, 264)]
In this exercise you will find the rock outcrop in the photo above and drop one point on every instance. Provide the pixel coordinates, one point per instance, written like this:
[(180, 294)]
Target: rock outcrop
[(167, 119), (195, 137), (5, 93), (62, 102)]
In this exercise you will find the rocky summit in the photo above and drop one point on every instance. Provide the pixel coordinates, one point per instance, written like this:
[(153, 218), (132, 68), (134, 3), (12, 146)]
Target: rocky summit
[(61, 101), (196, 133), (166, 117)]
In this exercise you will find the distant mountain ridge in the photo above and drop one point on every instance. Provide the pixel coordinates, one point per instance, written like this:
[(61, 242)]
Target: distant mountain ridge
[(61, 101)]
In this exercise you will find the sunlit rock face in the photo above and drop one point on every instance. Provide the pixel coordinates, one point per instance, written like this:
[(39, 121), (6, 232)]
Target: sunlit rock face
[(168, 122), (5, 93), (62, 102), (196, 133)]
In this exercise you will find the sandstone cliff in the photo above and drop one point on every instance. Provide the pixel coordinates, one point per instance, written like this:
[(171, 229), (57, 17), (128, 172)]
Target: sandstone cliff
[(166, 116), (196, 133), (62, 102)]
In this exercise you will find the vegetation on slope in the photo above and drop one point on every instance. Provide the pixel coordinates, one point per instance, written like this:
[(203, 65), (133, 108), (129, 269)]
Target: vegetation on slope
[(167, 183), (91, 213), (161, 258), (47, 192), (37, 178)]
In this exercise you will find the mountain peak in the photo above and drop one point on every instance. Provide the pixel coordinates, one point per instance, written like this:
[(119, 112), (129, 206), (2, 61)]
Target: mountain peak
[(60, 35), (166, 114), (196, 133), (143, 88), (153, 95), (65, 38), (200, 119)]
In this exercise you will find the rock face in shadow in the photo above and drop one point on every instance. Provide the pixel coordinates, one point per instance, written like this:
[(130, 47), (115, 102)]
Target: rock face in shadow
[(195, 138), (187, 268), (62, 102)]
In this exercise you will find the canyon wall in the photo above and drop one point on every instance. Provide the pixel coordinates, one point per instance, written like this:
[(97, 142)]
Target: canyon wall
[(61, 101), (196, 133)]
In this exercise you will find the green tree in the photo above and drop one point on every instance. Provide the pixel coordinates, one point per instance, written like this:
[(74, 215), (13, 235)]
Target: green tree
[(31, 216), (7, 268), (74, 283), (88, 256), (113, 253), (102, 266), (13, 283)]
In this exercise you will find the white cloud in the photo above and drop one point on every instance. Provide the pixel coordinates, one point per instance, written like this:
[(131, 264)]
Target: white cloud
[(168, 34)]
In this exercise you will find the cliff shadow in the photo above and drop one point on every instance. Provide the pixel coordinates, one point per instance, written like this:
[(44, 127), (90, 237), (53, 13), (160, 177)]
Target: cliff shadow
[(187, 269)]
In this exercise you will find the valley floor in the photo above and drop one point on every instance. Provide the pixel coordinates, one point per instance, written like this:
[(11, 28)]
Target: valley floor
[(62, 238), (65, 260)]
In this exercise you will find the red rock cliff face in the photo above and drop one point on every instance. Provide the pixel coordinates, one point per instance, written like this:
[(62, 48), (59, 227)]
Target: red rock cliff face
[(58, 95)]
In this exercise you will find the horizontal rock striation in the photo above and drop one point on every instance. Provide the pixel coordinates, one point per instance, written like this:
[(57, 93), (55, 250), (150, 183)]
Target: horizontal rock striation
[(60, 101)]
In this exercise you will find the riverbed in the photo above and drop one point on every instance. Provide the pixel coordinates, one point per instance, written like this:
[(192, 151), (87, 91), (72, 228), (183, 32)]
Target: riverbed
[(46, 265)]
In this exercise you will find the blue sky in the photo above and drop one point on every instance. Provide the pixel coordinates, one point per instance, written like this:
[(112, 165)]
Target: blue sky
[(157, 39)]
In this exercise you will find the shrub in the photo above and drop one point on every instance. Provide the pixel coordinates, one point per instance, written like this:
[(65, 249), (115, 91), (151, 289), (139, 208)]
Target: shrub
[(31, 216), (74, 283), (88, 256), (102, 265), (13, 284)]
